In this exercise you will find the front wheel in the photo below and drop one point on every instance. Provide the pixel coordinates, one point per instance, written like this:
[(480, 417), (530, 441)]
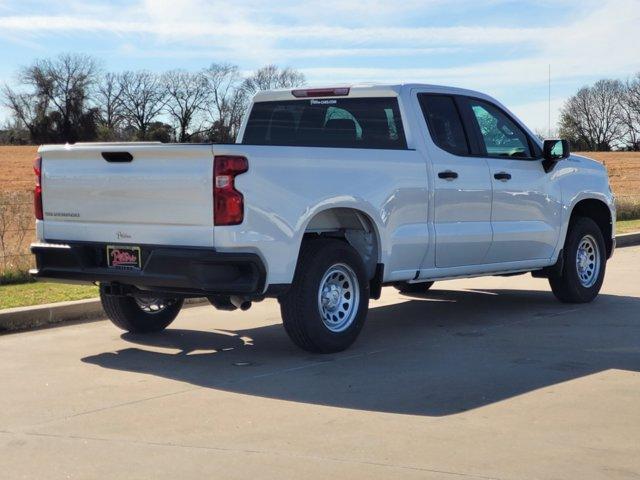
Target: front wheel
[(140, 314), (584, 263), (326, 306)]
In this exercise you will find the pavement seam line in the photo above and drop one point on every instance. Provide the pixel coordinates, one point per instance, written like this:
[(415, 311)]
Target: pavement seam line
[(109, 407), (251, 451)]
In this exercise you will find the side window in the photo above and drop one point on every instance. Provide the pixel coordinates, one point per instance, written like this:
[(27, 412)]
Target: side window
[(501, 136), (444, 123)]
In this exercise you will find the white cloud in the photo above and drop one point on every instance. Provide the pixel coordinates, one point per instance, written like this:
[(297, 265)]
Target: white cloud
[(605, 39), (600, 40), (192, 29)]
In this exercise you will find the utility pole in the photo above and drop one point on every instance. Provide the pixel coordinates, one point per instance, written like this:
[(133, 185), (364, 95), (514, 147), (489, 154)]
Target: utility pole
[(549, 107)]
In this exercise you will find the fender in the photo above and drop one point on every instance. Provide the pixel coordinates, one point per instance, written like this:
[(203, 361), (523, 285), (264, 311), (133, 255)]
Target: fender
[(569, 206)]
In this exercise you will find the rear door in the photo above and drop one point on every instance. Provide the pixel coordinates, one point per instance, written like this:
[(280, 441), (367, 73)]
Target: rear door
[(526, 208), (462, 186)]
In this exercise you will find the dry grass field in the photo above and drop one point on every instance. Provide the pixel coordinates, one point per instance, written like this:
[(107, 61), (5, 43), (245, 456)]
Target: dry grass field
[(16, 182), (624, 170), (16, 168), (16, 211)]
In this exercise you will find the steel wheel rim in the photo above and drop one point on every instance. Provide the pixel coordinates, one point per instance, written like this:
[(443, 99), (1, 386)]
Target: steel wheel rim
[(588, 261), (338, 297), (153, 305)]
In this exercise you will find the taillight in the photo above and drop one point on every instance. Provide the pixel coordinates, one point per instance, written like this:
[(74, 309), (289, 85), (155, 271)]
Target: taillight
[(37, 191), (228, 203)]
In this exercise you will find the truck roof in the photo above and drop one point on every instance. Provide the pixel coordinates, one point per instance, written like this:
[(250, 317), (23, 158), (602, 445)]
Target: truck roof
[(360, 90)]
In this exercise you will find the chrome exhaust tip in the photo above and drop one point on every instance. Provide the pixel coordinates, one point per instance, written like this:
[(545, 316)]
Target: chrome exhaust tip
[(241, 303)]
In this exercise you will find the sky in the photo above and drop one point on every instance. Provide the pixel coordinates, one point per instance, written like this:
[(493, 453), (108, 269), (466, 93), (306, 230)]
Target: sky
[(501, 47)]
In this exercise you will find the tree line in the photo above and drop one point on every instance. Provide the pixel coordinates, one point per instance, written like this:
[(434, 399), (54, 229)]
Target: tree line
[(603, 116), (69, 98)]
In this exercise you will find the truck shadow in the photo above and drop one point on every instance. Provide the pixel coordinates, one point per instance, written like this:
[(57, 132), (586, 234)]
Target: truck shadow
[(436, 354)]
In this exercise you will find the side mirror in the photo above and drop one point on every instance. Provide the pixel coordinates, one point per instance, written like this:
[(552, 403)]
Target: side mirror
[(554, 150)]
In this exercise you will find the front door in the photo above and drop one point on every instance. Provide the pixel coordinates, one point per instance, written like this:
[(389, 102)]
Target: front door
[(527, 205)]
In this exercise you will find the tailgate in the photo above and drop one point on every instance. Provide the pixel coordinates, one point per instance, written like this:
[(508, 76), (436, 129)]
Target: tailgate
[(162, 196)]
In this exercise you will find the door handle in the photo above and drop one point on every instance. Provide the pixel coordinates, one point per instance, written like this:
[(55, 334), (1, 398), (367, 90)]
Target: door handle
[(448, 175), (503, 176), (117, 157)]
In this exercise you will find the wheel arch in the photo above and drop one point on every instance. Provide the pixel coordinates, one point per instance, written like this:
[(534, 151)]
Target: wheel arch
[(598, 211), (351, 224)]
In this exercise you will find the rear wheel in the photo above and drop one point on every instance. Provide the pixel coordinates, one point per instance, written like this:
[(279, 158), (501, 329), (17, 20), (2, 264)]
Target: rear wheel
[(326, 306), (584, 263), (405, 287), (141, 314)]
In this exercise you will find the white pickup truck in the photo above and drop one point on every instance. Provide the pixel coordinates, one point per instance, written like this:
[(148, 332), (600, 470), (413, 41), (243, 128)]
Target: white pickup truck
[(328, 195)]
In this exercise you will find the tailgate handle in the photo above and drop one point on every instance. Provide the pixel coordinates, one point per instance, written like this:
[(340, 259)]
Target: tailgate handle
[(117, 157)]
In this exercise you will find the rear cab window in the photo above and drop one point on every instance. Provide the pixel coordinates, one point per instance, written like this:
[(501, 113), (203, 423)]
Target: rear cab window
[(327, 122)]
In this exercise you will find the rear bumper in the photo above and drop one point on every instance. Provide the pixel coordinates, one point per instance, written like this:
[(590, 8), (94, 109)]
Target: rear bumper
[(187, 270)]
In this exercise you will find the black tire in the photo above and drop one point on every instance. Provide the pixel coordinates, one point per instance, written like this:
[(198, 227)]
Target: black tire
[(413, 288), (301, 305), (125, 313), (567, 286)]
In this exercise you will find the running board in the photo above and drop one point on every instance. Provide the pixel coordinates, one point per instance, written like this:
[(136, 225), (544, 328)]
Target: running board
[(475, 275)]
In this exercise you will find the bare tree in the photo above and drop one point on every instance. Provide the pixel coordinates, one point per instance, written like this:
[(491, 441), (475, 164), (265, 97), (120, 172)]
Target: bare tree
[(227, 101), (26, 108), (109, 99), (591, 118), (143, 98), (66, 83), (630, 112), (14, 132), (236, 110), (187, 96), (270, 77), (57, 96), (544, 134)]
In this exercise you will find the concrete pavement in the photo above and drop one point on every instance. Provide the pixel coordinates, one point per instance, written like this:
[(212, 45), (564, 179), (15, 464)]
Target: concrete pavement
[(481, 378)]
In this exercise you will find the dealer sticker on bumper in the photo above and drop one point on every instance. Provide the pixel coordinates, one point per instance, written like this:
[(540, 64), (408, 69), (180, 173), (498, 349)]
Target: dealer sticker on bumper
[(123, 257)]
